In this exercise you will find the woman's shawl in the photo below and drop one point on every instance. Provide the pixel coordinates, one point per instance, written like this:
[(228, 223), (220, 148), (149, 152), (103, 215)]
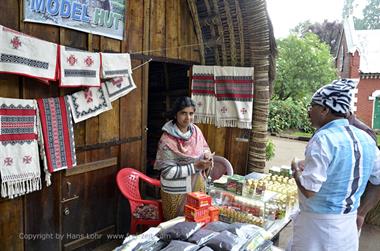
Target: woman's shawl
[(176, 151)]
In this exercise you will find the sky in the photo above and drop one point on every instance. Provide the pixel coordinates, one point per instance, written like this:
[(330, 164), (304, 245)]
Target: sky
[(286, 14)]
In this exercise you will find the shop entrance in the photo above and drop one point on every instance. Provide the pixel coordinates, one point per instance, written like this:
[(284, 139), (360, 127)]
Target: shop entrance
[(167, 81)]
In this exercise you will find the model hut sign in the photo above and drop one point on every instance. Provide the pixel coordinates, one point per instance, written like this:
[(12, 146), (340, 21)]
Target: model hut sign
[(101, 17)]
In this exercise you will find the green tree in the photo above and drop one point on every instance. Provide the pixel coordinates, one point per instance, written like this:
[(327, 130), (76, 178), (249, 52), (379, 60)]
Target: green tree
[(303, 65), (371, 16), (328, 32), (348, 8)]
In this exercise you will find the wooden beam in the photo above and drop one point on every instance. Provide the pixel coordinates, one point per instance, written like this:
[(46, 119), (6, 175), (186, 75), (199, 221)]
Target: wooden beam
[(91, 166)]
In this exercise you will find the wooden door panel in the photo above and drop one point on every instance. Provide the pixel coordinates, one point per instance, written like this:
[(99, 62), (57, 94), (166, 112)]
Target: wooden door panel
[(42, 216), (11, 224), (89, 205)]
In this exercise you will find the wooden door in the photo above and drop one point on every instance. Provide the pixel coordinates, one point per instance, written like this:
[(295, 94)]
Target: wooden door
[(376, 114), (88, 205)]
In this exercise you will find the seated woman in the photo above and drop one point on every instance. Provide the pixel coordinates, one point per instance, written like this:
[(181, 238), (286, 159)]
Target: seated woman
[(182, 157)]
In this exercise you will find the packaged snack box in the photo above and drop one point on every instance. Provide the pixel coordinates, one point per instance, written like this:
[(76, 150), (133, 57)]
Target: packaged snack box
[(198, 200)]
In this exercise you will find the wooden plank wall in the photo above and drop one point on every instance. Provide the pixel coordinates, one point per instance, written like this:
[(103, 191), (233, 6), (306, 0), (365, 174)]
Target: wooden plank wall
[(151, 26)]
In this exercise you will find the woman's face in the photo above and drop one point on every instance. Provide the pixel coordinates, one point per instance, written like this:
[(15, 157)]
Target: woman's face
[(184, 117)]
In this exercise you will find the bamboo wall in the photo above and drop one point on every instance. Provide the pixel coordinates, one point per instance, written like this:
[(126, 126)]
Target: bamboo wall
[(109, 141), (117, 138)]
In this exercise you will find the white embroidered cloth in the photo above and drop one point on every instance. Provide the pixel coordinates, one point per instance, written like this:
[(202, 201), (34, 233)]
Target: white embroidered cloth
[(79, 68), (19, 157), (203, 93), (26, 55), (234, 94), (89, 103), (116, 65), (119, 86)]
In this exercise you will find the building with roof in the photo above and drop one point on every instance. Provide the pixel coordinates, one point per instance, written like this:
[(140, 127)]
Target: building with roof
[(358, 58)]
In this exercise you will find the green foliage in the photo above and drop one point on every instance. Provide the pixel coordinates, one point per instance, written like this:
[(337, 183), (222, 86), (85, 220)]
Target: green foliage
[(371, 16), (303, 65), (348, 8), (289, 114), (328, 32), (270, 150)]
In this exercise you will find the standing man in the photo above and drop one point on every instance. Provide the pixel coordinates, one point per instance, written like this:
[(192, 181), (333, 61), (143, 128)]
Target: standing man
[(339, 161)]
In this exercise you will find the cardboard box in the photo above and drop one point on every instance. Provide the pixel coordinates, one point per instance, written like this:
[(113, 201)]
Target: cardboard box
[(196, 213), (213, 213), (198, 200)]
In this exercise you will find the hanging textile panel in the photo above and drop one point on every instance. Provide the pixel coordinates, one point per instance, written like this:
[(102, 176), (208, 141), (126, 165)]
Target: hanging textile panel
[(58, 133), (234, 94), (26, 55), (19, 158), (119, 86), (79, 68), (89, 103), (203, 93), (116, 65)]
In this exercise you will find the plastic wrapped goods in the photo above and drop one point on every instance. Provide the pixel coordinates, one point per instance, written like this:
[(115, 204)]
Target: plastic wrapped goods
[(217, 226), (180, 231), (225, 241), (205, 248), (176, 245), (202, 236), (137, 243)]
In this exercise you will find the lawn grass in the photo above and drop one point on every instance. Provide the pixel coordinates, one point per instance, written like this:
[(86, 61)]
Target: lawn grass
[(305, 134), (301, 134)]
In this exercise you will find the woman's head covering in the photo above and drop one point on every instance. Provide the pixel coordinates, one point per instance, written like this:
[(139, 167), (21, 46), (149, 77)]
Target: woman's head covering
[(337, 95)]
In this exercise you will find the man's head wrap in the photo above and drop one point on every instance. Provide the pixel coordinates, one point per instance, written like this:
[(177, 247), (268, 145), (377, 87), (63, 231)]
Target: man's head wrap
[(337, 95)]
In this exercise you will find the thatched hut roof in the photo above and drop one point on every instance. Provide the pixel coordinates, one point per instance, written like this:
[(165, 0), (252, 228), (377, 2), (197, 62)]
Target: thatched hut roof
[(239, 33)]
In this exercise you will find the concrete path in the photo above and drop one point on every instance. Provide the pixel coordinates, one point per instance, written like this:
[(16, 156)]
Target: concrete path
[(286, 150)]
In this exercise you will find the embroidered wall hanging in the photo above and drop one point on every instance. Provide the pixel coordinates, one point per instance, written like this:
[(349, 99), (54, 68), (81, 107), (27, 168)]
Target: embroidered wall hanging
[(58, 133), (116, 65), (203, 93), (234, 95), (26, 55), (19, 159), (119, 87), (79, 68), (89, 103)]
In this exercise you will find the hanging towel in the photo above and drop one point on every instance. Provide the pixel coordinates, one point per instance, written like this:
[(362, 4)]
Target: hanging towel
[(203, 93), (79, 68), (19, 160), (119, 86), (58, 133), (41, 145), (116, 65), (89, 103), (234, 94), (26, 55)]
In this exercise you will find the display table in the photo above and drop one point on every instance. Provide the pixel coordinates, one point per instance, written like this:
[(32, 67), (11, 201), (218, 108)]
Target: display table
[(277, 227)]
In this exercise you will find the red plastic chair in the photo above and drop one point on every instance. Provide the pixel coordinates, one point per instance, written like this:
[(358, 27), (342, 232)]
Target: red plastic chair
[(127, 180)]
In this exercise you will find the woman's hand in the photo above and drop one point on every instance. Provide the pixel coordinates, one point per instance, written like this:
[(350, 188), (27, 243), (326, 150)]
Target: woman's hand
[(208, 155), (203, 164)]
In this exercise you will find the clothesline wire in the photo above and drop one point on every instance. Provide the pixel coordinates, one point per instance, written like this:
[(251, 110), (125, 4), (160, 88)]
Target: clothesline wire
[(142, 64)]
